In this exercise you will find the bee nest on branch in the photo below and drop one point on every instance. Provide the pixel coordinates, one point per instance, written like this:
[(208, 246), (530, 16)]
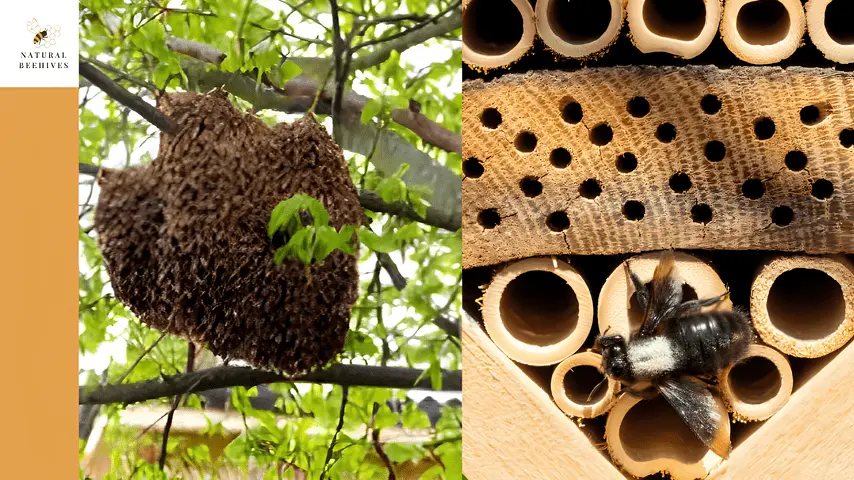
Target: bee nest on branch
[(185, 239)]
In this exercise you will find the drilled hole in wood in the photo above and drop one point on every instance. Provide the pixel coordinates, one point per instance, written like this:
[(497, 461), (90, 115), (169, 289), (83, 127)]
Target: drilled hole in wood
[(678, 19), (782, 215), (489, 218), (590, 189), (525, 142), (490, 118), (846, 137), (805, 293), (627, 163), (492, 27), (571, 111), (579, 383), (665, 133), (837, 21), (633, 210), (755, 380), (680, 182), (815, 114), (539, 308), (753, 188), (560, 158), (601, 134), (764, 128), (822, 189), (715, 151), (796, 160), (473, 168), (579, 21), (557, 221), (710, 104), (638, 107), (531, 186), (763, 22), (701, 213)]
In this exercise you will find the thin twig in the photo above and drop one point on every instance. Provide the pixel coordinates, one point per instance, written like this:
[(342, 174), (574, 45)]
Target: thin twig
[(191, 358), (146, 352), (344, 393), (378, 447)]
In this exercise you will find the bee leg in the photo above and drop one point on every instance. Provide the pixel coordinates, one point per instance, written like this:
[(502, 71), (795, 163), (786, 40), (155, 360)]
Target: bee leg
[(647, 393), (641, 292)]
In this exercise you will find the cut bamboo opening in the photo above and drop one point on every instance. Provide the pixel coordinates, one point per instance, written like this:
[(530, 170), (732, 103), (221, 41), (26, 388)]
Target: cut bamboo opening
[(757, 386), (618, 307), (579, 28), (573, 381), (763, 31), (804, 306), (830, 25), (681, 27), (538, 311), (648, 436), (496, 33)]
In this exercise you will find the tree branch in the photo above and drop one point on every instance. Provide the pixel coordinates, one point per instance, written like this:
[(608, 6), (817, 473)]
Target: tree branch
[(124, 97), (370, 201), (220, 377), (415, 35)]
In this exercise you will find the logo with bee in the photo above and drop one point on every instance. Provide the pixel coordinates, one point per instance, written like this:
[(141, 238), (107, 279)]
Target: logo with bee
[(45, 36)]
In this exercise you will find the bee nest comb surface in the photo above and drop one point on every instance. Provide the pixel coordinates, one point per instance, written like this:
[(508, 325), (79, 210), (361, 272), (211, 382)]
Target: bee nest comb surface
[(185, 237)]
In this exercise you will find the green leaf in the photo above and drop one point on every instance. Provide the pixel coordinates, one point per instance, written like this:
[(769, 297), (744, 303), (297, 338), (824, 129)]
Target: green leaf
[(385, 418), (372, 108), (375, 242)]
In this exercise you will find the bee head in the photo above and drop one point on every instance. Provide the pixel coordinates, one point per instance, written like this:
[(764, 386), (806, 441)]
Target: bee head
[(615, 360)]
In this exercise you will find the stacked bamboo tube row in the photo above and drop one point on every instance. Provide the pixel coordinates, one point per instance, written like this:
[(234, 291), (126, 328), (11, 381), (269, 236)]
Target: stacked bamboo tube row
[(496, 33), (539, 311), (631, 159)]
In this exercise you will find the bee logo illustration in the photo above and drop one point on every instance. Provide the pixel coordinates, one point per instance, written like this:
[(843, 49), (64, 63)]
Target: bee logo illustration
[(44, 36)]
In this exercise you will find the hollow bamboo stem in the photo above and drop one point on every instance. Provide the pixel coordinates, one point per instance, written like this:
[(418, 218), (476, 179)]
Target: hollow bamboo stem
[(763, 31), (579, 28), (830, 25), (682, 27), (804, 305), (496, 33), (619, 312), (538, 311), (758, 386), (573, 381), (648, 436)]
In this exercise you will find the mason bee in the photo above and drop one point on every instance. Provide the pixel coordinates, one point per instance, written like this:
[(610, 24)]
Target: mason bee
[(44, 36), (676, 346)]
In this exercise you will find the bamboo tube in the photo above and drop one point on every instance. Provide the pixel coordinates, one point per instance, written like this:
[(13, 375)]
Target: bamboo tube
[(757, 386), (618, 310), (763, 31), (538, 311), (648, 436), (803, 305), (579, 28), (574, 379), (682, 27), (496, 33), (829, 23)]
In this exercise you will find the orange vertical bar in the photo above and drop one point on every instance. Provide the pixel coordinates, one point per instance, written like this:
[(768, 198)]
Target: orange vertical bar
[(38, 301)]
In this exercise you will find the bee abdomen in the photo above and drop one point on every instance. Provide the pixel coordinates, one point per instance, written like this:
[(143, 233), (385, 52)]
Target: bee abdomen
[(711, 341)]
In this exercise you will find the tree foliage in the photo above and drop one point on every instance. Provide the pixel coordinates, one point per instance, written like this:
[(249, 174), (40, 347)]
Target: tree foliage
[(274, 51)]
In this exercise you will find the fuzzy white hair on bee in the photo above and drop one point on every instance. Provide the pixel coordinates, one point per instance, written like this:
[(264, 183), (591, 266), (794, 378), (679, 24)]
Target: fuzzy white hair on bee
[(653, 357)]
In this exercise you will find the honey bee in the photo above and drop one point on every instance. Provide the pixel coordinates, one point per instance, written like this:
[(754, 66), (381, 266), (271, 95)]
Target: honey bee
[(44, 36)]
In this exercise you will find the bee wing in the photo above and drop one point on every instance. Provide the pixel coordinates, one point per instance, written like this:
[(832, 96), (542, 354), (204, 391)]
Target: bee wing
[(697, 407), (33, 26), (665, 293)]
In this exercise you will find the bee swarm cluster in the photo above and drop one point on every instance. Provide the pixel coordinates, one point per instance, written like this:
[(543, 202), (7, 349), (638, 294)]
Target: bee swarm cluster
[(185, 237)]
